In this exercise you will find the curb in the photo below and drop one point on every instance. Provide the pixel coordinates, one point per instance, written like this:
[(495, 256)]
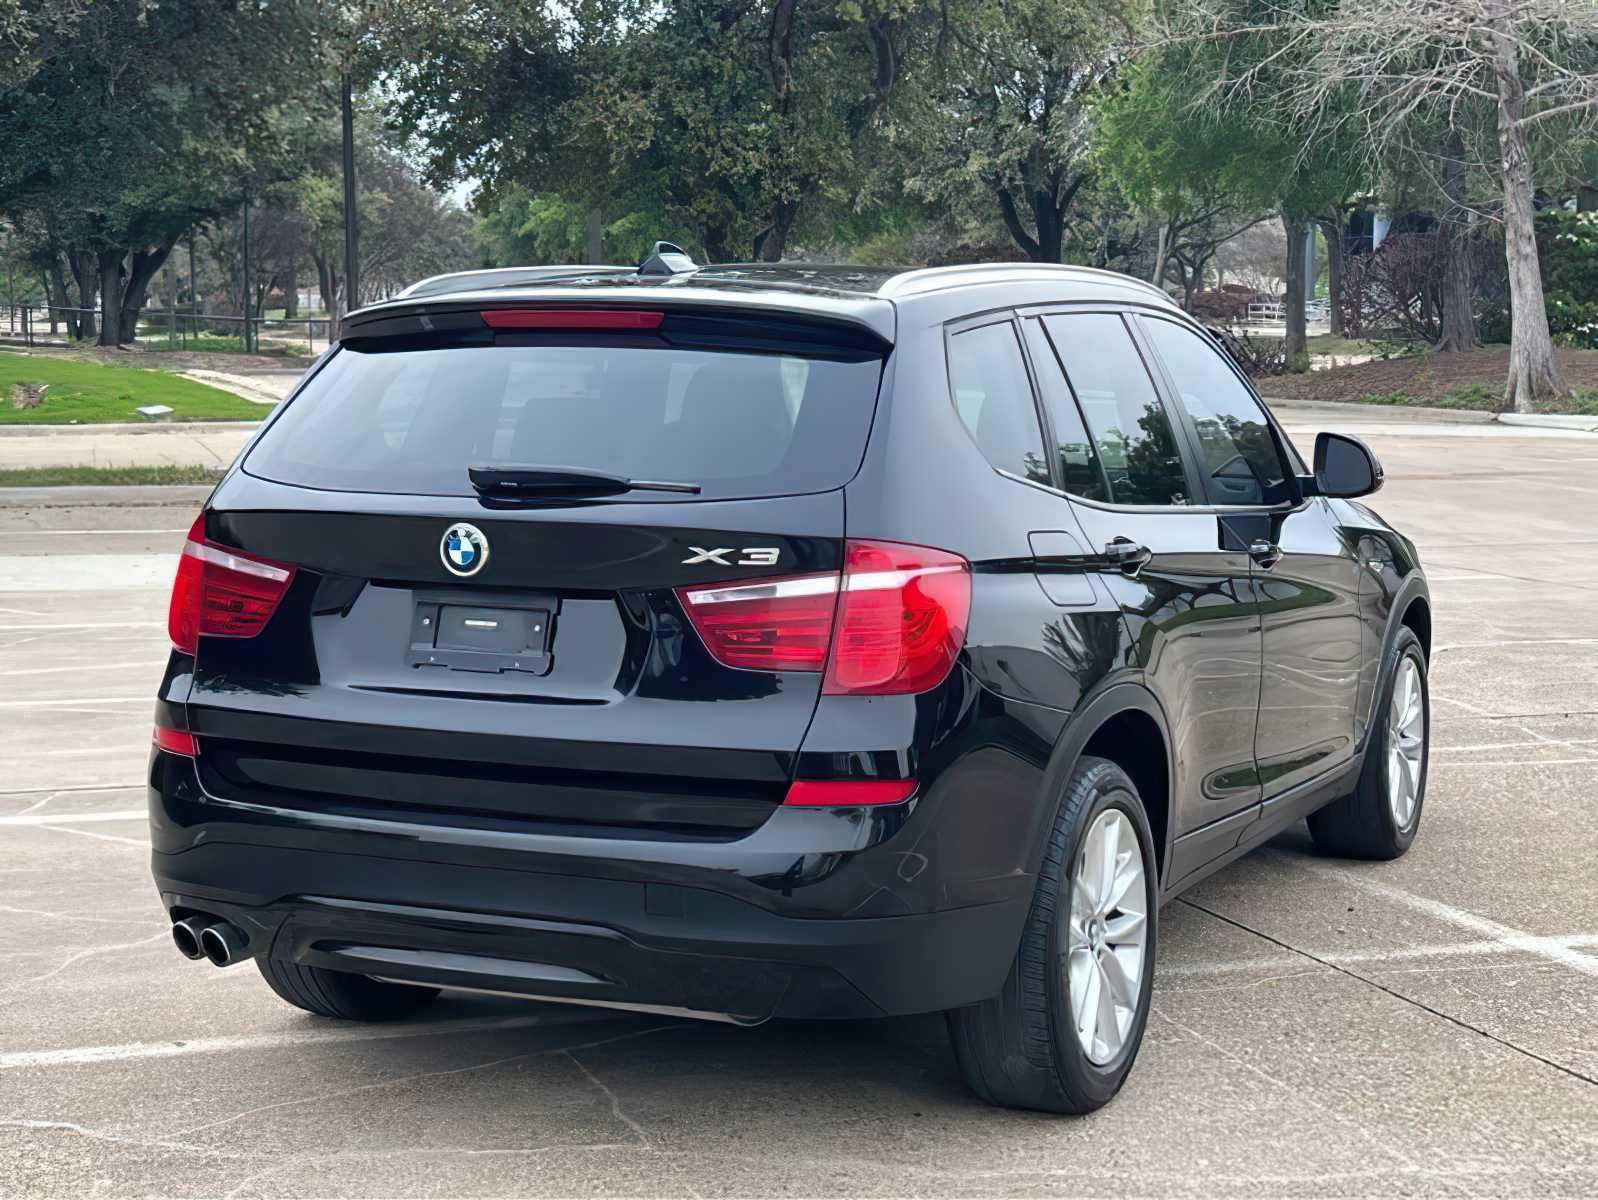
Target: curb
[(1583, 424), (157, 427)]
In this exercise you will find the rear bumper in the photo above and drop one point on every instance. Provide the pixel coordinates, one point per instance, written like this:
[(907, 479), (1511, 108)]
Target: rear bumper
[(738, 928)]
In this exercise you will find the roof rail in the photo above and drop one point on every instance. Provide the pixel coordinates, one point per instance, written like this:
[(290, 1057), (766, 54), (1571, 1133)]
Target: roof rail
[(930, 278)]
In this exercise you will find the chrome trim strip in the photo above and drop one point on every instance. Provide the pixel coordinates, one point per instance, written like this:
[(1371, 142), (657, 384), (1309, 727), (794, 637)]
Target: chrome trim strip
[(775, 589)]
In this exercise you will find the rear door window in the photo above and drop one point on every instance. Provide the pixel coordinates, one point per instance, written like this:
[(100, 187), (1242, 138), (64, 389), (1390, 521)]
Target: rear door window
[(412, 421), (1129, 426)]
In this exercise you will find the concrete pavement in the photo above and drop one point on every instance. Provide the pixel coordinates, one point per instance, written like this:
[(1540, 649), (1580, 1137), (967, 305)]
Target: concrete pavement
[(1423, 1027)]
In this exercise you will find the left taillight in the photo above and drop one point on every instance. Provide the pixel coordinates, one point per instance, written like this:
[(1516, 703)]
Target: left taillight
[(221, 592)]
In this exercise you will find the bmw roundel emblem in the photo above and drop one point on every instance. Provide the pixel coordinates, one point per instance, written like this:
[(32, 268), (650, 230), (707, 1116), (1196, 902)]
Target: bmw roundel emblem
[(464, 549)]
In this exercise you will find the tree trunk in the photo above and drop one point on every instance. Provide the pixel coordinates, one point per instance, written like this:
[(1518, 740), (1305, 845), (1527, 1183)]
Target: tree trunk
[(1046, 216), (85, 274), (1458, 291), (1535, 380), (1335, 262), (1587, 198), (1162, 254), (594, 237), (1293, 308), (55, 293), (772, 242), (1458, 298), (144, 266), (714, 238), (1012, 222), (326, 282), (111, 276), (291, 288)]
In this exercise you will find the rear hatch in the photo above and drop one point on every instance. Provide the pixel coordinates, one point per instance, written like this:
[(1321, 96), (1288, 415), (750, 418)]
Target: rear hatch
[(523, 648)]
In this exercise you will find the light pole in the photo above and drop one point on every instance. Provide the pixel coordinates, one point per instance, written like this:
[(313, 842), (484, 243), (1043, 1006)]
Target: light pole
[(351, 216)]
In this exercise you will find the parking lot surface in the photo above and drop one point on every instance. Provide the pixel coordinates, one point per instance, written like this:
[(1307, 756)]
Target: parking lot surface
[(1320, 1027)]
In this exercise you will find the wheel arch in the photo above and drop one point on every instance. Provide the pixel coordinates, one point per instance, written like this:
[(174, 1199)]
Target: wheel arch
[(1416, 616), (1410, 608), (1120, 724)]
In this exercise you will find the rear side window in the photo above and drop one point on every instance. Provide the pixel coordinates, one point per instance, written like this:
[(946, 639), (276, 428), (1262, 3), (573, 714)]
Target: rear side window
[(993, 396), (413, 421), (1079, 461), (1127, 422), (1237, 450)]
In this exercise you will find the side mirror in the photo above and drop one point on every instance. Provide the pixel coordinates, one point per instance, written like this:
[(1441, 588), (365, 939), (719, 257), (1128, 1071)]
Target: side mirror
[(1345, 466)]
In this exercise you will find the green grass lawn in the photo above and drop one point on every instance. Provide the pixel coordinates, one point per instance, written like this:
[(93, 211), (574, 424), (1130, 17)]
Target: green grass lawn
[(107, 476), (1479, 398), (87, 393)]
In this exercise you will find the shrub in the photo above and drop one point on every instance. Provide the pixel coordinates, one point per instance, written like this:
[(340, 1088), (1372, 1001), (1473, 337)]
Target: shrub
[(1225, 305), (1257, 356), (1567, 247)]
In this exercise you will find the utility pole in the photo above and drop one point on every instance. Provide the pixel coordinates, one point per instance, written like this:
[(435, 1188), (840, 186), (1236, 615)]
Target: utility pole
[(351, 216)]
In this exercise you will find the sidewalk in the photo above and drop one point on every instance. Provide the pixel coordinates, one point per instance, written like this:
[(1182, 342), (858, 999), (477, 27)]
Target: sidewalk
[(212, 444), (263, 387)]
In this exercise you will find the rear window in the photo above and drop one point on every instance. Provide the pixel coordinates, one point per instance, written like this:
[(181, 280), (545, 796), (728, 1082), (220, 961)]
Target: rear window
[(413, 421)]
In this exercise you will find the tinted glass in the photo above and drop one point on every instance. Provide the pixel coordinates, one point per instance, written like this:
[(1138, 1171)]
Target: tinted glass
[(1079, 461), (1129, 428), (412, 421), (994, 398), (1237, 449)]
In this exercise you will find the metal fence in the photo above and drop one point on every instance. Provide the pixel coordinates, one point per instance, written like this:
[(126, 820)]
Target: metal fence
[(173, 329)]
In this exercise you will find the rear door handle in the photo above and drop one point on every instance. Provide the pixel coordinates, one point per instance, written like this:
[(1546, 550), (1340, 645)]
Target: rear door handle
[(1126, 556), (1266, 554)]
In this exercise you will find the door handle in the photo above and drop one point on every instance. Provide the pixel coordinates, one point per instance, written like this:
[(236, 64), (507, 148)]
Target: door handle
[(1266, 554), (1126, 556)]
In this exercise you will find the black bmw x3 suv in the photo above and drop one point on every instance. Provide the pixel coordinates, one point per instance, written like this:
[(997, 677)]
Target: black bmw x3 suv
[(775, 642)]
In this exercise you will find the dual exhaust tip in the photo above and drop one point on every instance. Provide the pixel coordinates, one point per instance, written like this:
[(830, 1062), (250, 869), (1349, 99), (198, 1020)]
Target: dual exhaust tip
[(212, 938)]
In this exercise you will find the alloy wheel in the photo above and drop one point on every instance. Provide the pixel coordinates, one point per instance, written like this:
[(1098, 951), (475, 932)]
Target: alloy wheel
[(1406, 742), (1106, 936)]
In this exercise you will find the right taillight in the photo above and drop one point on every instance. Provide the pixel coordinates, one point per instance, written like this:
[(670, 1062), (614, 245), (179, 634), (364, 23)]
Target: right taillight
[(892, 624), (901, 619), (221, 592)]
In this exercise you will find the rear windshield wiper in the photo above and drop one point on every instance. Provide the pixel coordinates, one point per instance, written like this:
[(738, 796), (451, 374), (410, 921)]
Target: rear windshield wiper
[(516, 479)]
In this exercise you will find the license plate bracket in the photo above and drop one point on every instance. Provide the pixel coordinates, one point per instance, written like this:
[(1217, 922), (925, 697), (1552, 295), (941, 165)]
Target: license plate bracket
[(464, 634)]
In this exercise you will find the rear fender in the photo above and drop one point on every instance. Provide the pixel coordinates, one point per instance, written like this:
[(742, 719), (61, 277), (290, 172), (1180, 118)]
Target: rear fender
[(1089, 718)]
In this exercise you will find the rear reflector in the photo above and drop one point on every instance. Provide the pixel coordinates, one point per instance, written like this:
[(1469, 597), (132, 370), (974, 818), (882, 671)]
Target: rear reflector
[(222, 593), (835, 792), (176, 741), (571, 318), (767, 624), (901, 620)]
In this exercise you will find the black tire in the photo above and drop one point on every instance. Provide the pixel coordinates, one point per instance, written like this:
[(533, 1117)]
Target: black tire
[(1362, 824), (340, 994), (1020, 1049)]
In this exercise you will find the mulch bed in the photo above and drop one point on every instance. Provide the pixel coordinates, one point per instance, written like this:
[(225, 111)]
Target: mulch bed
[(1423, 376)]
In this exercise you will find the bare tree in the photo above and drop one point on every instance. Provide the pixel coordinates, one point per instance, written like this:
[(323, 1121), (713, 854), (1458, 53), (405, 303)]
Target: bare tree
[(1532, 65)]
